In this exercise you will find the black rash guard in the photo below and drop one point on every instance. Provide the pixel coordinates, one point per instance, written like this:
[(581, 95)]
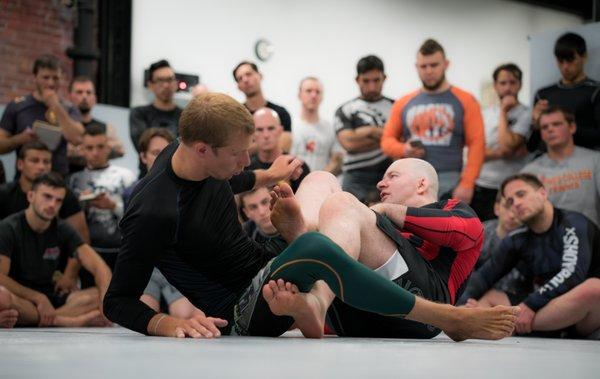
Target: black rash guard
[(190, 231), (556, 260)]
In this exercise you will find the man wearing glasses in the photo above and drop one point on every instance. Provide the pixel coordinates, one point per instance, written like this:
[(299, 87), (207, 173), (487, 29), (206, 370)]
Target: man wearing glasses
[(162, 112)]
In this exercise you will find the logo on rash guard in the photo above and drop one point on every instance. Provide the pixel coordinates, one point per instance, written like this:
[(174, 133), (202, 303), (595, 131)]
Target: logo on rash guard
[(569, 260), (51, 253)]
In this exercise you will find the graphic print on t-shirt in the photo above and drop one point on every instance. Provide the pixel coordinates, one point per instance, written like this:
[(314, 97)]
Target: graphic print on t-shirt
[(433, 124)]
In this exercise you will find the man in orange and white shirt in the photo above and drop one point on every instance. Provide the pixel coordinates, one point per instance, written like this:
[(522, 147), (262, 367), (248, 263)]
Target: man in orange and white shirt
[(435, 123)]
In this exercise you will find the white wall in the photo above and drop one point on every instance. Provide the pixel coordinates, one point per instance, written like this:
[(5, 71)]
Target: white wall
[(326, 38)]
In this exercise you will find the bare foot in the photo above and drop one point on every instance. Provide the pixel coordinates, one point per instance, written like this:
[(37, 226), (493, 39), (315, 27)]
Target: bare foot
[(286, 215), (483, 323), (284, 299), (8, 316)]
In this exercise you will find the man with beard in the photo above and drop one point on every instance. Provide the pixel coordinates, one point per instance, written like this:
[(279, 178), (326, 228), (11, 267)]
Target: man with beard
[(435, 123), (82, 94), (506, 129), (45, 105), (162, 113), (359, 125), (557, 250)]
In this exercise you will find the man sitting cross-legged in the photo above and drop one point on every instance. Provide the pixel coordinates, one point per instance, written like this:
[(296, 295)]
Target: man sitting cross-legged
[(426, 247), (558, 250), (34, 247)]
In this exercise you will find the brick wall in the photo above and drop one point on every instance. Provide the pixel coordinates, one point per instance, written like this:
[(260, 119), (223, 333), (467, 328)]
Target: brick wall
[(29, 28)]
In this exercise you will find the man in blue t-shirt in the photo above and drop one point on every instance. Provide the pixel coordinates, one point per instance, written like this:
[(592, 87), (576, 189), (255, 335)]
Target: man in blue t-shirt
[(44, 105), (557, 250)]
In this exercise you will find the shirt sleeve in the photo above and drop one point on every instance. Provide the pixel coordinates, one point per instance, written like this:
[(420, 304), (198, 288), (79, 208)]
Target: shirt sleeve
[(522, 125), (575, 263), (474, 139), (243, 182), (137, 125), (70, 205), (457, 227), (341, 121), (7, 239), (142, 244), (392, 141), (69, 238), (501, 261), (8, 121), (286, 119)]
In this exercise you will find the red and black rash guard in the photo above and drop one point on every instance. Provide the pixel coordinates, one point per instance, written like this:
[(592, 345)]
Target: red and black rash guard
[(449, 236)]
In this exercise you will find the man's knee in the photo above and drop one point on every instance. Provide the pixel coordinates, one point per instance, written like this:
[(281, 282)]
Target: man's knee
[(340, 203), (588, 292)]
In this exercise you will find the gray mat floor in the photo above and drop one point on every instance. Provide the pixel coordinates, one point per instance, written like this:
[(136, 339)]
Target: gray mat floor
[(119, 353)]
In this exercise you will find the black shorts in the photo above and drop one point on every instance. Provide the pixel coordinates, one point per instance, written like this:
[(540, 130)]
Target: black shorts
[(421, 280), (57, 300)]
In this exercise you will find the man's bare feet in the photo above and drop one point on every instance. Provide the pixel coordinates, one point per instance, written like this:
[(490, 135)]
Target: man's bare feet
[(286, 215), (482, 323), (8, 316), (92, 318), (284, 299)]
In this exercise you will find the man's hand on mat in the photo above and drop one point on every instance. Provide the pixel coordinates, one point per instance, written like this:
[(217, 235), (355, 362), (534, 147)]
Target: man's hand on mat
[(199, 326), (45, 310), (525, 320)]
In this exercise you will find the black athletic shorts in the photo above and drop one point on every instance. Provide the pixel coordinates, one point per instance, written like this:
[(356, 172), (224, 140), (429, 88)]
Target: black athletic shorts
[(421, 280)]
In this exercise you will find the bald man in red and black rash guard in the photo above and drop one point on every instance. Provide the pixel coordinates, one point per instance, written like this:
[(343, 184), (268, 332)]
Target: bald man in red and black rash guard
[(437, 242)]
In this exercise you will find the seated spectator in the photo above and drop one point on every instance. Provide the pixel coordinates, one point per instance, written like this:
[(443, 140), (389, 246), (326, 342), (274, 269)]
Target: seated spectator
[(163, 112), (82, 94), (34, 245), (558, 250), (267, 132), (575, 92), (248, 80), (571, 174), (514, 283), (100, 187), (34, 160), (151, 143), (255, 205), (45, 105), (313, 138), (506, 126)]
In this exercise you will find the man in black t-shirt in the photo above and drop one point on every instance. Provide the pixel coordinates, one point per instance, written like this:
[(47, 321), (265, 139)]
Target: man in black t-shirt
[(34, 246), (575, 92), (248, 80), (162, 113), (44, 104), (82, 94), (33, 161), (267, 137)]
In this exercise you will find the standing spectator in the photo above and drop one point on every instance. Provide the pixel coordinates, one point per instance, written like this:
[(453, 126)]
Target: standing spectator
[(267, 134), (162, 113), (248, 80), (435, 123), (507, 126), (313, 139), (82, 94), (571, 174), (575, 92), (359, 126), (100, 185), (44, 104)]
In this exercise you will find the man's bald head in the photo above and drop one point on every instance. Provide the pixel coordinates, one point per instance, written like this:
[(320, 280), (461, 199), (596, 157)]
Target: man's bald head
[(267, 129), (409, 181)]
